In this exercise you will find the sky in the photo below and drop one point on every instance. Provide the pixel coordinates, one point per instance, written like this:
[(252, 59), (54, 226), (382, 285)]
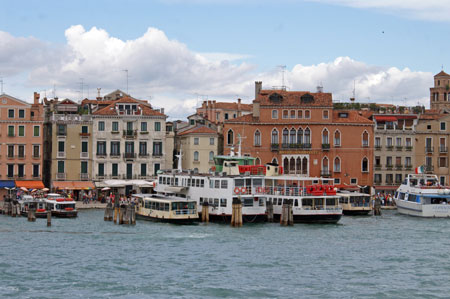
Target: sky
[(179, 53)]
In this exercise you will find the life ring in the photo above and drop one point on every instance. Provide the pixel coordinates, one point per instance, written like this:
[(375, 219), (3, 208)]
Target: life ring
[(310, 189), (40, 210), (237, 190), (259, 189), (68, 209), (243, 190)]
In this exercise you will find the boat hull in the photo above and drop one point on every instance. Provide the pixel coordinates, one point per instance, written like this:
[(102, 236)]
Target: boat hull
[(38, 214), (352, 212), (426, 211), (314, 218), (65, 214), (226, 218), (180, 221)]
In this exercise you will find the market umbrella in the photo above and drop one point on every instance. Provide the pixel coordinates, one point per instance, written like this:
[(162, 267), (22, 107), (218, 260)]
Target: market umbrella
[(106, 189), (44, 189), (24, 189)]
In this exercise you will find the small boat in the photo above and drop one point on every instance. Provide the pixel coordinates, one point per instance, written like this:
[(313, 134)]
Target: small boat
[(162, 208), (354, 203), (421, 195), (27, 202), (61, 206)]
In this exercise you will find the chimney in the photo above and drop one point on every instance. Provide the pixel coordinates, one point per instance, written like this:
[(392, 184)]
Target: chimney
[(239, 105), (258, 87), (162, 110), (36, 98)]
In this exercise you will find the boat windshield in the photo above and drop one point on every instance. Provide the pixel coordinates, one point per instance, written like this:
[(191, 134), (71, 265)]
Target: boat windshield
[(435, 200), (183, 207), (360, 201), (65, 206)]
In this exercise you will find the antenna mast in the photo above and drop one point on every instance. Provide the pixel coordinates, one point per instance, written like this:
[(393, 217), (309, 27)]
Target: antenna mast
[(283, 69)]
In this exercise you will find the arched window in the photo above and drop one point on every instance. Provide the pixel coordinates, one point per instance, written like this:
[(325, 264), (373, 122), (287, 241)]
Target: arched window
[(337, 138), (307, 137), (298, 167), (286, 165), (365, 139), (211, 156), (275, 136), (365, 165), (325, 166), (300, 136), (292, 166), (304, 165), (293, 136), (195, 156), (230, 137), (325, 139), (275, 161), (257, 161), (257, 139), (285, 136), (337, 164)]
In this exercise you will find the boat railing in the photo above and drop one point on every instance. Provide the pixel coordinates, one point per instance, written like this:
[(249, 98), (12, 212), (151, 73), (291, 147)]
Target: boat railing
[(185, 212), (260, 190)]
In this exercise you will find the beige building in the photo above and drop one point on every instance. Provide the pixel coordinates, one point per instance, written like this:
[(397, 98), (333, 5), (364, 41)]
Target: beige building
[(440, 93), (431, 147), (199, 145), (393, 149)]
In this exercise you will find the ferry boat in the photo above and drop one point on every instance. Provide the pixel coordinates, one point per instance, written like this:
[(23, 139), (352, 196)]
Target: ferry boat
[(60, 206), (28, 201), (355, 203), (161, 208), (421, 195)]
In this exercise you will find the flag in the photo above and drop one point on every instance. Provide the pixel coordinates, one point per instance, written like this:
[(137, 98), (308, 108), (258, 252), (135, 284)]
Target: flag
[(420, 169)]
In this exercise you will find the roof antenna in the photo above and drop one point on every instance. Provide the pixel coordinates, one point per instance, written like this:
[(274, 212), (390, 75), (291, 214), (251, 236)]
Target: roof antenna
[(352, 99), (283, 69)]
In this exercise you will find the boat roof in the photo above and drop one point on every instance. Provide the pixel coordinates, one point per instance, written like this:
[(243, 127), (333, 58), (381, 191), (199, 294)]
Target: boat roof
[(166, 198), (234, 157), (350, 193)]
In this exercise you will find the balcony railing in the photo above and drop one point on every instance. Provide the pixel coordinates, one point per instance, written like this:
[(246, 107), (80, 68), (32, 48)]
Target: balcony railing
[(84, 176), (325, 173), (378, 167), (408, 167), (389, 166), (157, 154), (325, 146), (377, 147), (389, 147), (61, 155), (306, 146), (129, 133), (84, 155), (114, 155), (429, 149), (408, 148), (429, 168), (399, 148), (101, 154), (274, 146), (144, 154), (398, 166), (129, 155), (85, 134), (398, 182), (61, 133), (61, 176), (377, 182), (443, 149)]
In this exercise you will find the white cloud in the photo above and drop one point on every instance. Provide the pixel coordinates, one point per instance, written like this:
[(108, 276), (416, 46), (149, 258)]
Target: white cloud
[(435, 10)]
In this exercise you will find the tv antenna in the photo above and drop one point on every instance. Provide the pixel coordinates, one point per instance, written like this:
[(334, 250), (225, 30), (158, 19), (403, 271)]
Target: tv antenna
[(283, 69), (126, 71)]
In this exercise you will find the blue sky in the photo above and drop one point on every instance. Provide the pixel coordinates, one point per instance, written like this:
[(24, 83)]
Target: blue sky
[(217, 49)]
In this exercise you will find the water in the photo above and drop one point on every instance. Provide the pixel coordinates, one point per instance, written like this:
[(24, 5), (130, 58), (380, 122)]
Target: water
[(388, 256)]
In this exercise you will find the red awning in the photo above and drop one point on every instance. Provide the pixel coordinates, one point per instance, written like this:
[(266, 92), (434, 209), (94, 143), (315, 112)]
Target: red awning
[(30, 184), (73, 185), (385, 118)]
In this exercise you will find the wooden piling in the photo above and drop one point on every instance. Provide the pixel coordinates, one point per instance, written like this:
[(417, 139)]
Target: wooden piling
[(133, 215), (236, 213), (287, 216), (205, 212), (121, 215), (269, 211), (49, 218), (108, 212), (377, 207), (32, 214), (126, 214), (13, 210)]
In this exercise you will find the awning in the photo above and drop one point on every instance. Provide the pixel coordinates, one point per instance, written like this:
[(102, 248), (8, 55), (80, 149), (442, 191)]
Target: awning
[(73, 185), (385, 118), (386, 187), (123, 183), (7, 184), (30, 184)]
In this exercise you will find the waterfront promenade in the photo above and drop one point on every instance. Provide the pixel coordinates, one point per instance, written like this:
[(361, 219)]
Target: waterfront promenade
[(92, 205)]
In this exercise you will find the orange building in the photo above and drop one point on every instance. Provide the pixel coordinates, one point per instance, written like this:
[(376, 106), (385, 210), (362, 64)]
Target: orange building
[(219, 112), (21, 141), (300, 131)]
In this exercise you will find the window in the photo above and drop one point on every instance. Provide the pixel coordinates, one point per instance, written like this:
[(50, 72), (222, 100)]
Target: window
[(61, 130), (408, 142), (337, 164), (36, 131), (442, 161), (389, 142), (365, 139), (408, 162), (337, 138), (300, 136), (36, 170), (442, 180), (377, 178), (292, 113), (115, 169), (192, 122), (274, 114), (101, 125), (398, 161), (325, 114), (115, 126), (230, 137), (442, 147), (325, 165), (84, 129), (377, 161), (157, 148), (389, 161), (293, 136), (84, 166), (353, 181), (10, 170), (60, 166), (300, 114), (101, 147), (398, 141), (285, 114), (211, 156), (21, 113), (143, 126), (285, 136), (307, 114), (10, 151), (443, 126), (84, 147), (226, 116), (428, 127), (20, 170), (337, 181), (274, 136), (307, 138), (211, 141), (195, 156), (143, 169), (21, 151), (398, 178), (61, 146), (11, 131), (101, 169), (377, 142), (325, 137), (11, 113), (157, 126), (21, 131), (195, 140), (129, 147), (257, 138), (217, 116), (115, 148), (36, 151)]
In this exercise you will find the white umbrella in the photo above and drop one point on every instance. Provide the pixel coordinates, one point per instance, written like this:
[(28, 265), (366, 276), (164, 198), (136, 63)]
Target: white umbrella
[(44, 189), (106, 189), (24, 189)]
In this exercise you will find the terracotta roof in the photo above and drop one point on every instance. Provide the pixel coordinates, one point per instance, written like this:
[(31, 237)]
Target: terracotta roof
[(441, 73), (145, 107), (233, 106), (198, 130), (353, 117), (293, 98), (243, 118)]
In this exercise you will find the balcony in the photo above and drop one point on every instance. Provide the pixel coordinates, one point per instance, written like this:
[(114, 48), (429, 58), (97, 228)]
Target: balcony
[(389, 166), (101, 155), (377, 182), (143, 155), (61, 155), (378, 167), (399, 148), (129, 155), (114, 155), (100, 177), (443, 149), (408, 148), (129, 133), (389, 147), (285, 145), (408, 167), (63, 134), (377, 147), (143, 132), (306, 146), (84, 155), (61, 176), (274, 147), (389, 182), (157, 154), (429, 168), (115, 132), (398, 166), (325, 146), (325, 173), (398, 182), (84, 176), (85, 134), (429, 149)]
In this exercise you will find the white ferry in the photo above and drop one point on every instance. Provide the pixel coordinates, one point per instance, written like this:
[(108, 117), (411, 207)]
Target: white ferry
[(355, 203), (28, 201), (60, 206), (422, 195), (170, 209)]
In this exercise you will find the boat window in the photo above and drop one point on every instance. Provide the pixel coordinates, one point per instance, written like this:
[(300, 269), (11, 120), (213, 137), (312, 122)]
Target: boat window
[(331, 201), (160, 179), (157, 205), (248, 202), (210, 201), (197, 183), (257, 182), (166, 207), (318, 202), (261, 202), (176, 181), (146, 205), (188, 182), (307, 202), (202, 183), (224, 184), (191, 205), (217, 184), (396, 194), (211, 184), (239, 183), (296, 203), (401, 196), (341, 200), (216, 202), (412, 197), (413, 182), (223, 202), (201, 200)]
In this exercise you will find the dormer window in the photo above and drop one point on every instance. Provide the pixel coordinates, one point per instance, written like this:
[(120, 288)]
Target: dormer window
[(306, 98), (275, 97), (343, 115)]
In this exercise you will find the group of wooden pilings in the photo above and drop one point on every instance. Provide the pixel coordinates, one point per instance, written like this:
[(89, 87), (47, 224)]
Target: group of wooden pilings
[(121, 214), (12, 208), (287, 215)]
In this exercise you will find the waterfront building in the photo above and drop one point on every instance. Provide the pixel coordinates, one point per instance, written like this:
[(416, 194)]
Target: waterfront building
[(199, 145), (431, 146), (68, 146), (394, 145), (440, 92), (301, 131), (129, 141), (21, 142)]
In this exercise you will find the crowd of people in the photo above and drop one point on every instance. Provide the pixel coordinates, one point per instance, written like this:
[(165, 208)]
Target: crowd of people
[(385, 199)]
